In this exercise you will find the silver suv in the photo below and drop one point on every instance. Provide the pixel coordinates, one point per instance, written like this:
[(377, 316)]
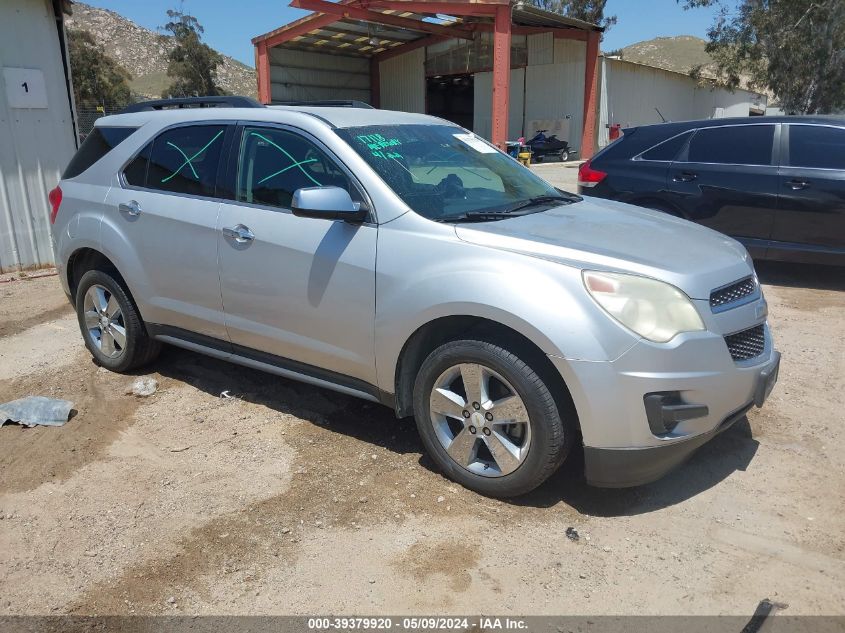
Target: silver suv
[(399, 258)]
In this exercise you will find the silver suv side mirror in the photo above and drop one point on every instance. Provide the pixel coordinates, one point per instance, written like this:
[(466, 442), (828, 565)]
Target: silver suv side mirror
[(328, 203)]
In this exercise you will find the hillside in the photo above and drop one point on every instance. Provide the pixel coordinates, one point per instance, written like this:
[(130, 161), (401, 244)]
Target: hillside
[(680, 53), (144, 53)]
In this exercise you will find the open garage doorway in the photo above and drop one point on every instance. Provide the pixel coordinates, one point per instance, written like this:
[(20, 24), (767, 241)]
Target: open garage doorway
[(451, 97)]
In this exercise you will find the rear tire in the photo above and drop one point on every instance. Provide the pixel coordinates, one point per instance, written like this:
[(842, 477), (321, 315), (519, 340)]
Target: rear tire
[(502, 438), (111, 326)]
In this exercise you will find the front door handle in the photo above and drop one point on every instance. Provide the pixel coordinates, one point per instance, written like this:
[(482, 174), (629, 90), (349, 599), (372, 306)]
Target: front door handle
[(240, 233), (685, 176), (130, 208), (797, 185)]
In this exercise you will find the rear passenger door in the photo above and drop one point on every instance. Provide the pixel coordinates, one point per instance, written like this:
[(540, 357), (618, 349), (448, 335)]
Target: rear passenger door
[(811, 208), (726, 179), (166, 214)]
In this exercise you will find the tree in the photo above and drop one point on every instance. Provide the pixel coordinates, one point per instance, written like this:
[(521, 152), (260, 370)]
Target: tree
[(591, 11), (192, 64), (97, 78), (794, 48)]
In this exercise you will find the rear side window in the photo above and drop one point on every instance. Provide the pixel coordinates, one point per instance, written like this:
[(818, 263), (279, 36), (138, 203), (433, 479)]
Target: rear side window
[(97, 144), (733, 145), (816, 146), (180, 160), (667, 150)]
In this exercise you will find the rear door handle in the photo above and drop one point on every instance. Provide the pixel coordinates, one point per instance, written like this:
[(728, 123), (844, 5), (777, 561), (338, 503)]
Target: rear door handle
[(240, 233), (130, 208), (797, 185), (685, 176)]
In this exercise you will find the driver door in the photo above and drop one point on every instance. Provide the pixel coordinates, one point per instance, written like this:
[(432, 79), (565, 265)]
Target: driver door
[(296, 291)]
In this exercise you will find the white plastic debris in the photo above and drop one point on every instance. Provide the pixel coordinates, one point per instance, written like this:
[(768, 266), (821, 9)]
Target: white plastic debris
[(143, 386), (36, 411)]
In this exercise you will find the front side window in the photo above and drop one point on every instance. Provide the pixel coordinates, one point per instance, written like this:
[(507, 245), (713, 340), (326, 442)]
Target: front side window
[(816, 146), (180, 160), (733, 145), (446, 174), (275, 163)]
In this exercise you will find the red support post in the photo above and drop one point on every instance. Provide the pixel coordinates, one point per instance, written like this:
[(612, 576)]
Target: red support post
[(501, 76), (262, 72), (590, 92)]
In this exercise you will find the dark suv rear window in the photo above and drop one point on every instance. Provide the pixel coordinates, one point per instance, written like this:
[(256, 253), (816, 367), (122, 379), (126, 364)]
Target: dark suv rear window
[(733, 145), (667, 150), (99, 142)]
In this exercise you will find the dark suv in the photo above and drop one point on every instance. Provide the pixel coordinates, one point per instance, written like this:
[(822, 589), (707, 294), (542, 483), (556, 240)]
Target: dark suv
[(777, 184)]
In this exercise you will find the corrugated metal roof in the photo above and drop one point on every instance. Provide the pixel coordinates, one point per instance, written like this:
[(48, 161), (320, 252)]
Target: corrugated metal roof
[(529, 15), (365, 38)]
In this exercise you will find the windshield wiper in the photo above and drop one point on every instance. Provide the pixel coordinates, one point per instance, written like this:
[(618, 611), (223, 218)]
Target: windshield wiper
[(501, 214), (540, 200)]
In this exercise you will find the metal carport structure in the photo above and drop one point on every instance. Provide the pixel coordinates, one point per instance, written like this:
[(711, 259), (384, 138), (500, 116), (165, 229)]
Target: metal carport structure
[(362, 34)]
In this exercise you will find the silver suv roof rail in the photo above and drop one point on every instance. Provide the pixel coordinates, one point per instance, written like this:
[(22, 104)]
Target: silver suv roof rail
[(193, 102), (327, 103)]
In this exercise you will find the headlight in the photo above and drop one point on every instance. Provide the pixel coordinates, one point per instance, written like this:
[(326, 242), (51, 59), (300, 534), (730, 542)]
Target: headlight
[(653, 309)]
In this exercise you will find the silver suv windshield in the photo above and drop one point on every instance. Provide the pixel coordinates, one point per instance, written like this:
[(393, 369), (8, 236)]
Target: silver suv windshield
[(447, 174)]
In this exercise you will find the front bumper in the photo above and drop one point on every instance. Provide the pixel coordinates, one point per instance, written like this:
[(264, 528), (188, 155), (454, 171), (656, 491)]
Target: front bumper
[(623, 445)]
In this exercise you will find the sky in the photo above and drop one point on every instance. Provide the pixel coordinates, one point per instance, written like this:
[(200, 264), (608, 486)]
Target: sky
[(229, 26)]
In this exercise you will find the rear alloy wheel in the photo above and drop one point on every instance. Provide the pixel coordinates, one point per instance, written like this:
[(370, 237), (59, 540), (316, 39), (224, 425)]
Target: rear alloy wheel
[(104, 322), (111, 326), (488, 420)]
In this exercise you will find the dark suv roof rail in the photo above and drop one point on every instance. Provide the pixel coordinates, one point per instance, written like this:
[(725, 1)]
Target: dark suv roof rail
[(193, 102), (328, 103)]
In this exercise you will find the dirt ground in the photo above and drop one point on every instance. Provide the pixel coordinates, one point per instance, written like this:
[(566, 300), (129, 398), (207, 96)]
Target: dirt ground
[(288, 499)]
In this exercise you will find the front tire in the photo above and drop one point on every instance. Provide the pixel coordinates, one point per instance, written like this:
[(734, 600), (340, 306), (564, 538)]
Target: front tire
[(111, 326), (488, 419)]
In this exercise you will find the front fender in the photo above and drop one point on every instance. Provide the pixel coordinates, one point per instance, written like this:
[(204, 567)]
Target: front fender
[(424, 275)]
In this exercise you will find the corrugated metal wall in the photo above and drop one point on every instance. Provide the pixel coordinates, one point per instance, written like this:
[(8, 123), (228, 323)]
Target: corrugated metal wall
[(306, 76), (550, 87), (556, 90), (35, 144), (402, 82), (482, 115), (631, 92)]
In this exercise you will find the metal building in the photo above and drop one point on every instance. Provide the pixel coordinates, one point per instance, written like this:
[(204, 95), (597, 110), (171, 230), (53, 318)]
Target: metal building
[(499, 68), (37, 137), (636, 94)]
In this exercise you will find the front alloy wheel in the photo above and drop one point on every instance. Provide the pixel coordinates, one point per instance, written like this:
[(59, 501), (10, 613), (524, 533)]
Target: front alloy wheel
[(480, 420), (488, 419)]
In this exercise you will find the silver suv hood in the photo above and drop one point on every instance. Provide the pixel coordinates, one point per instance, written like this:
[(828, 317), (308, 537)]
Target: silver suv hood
[(608, 235)]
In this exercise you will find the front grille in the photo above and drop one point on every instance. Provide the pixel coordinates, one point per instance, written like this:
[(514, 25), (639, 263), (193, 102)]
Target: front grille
[(721, 298), (747, 344)]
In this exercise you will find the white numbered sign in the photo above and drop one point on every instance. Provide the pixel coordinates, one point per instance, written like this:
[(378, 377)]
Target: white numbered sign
[(25, 87)]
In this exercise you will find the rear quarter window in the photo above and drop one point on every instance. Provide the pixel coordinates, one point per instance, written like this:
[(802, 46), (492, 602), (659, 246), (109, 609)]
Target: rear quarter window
[(98, 143), (667, 150)]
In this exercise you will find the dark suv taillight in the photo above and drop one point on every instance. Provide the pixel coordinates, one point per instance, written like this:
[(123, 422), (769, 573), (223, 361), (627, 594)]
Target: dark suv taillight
[(589, 177), (55, 198)]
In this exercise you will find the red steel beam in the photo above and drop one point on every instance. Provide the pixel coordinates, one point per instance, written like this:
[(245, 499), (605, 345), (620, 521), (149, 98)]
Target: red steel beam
[(501, 76), (589, 134), (295, 29), (433, 7), (354, 13), (262, 68)]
